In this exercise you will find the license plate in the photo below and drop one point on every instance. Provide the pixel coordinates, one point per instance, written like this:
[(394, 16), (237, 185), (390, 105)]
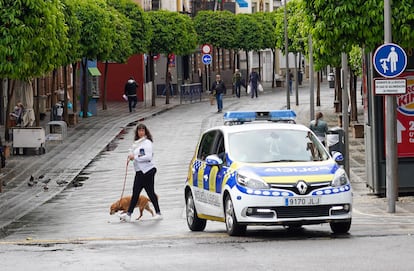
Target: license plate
[(302, 201)]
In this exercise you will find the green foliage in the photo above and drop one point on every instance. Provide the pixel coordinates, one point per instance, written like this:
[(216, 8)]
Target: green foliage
[(355, 60), (218, 28), (172, 33), (268, 22), (250, 36), (74, 32), (95, 29), (140, 25), (32, 37)]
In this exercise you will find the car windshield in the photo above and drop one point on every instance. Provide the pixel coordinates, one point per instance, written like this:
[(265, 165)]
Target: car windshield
[(266, 146)]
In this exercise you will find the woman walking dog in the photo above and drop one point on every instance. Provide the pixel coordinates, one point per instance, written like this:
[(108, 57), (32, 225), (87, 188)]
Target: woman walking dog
[(141, 154)]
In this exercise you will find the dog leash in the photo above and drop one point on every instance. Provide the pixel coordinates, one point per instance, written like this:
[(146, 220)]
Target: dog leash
[(126, 174)]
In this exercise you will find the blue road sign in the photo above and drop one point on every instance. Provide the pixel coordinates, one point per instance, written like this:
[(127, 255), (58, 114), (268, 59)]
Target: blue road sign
[(390, 60), (207, 59)]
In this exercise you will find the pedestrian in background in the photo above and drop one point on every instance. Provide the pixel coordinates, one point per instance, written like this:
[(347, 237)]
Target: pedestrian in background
[(237, 82), (131, 92), (17, 114), (141, 153), (319, 127), (168, 85), (290, 82), (218, 90), (254, 80)]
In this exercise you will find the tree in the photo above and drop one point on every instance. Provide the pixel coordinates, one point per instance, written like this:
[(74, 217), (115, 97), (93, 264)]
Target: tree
[(32, 36), (96, 39), (217, 28), (249, 35), (173, 33), (137, 36)]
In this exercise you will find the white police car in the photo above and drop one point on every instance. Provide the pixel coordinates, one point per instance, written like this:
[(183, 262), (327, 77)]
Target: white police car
[(260, 168)]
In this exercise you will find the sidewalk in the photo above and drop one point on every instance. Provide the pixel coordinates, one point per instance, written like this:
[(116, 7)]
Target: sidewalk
[(63, 162)]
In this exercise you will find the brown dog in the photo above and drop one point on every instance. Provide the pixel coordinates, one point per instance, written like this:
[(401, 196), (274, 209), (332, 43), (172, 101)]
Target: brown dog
[(123, 204)]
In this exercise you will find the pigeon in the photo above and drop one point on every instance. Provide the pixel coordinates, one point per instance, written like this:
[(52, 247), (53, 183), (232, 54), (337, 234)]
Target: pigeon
[(61, 182), (45, 187), (31, 181), (46, 181), (41, 176)]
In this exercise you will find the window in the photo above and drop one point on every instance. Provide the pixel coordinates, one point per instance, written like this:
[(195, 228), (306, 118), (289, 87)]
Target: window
[(206, 145)]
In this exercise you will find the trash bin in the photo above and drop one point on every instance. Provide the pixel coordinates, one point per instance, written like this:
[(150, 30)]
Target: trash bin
[(331, 80), (335, 140)]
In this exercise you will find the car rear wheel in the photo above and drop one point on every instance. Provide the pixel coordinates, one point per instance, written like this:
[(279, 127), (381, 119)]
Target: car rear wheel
[(340, 227), (232, 226), (193, 221)]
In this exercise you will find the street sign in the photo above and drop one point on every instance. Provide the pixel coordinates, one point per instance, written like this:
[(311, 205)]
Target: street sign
[(207, 59), (390, 86), (206, 48), (390, 60)]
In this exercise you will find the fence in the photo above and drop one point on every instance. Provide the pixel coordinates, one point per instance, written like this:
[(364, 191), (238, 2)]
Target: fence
[(191, 92)]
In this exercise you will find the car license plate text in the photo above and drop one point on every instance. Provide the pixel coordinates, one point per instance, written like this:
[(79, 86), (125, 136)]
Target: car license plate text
[(302, 201)]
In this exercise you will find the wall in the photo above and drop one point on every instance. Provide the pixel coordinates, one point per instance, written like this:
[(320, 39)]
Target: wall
[(118, 74)]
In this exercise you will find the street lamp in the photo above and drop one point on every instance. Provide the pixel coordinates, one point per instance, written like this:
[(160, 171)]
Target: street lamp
[(287, 59)]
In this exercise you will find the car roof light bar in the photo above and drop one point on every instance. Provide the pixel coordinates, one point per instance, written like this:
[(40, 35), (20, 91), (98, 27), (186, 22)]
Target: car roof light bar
[(240, 117)]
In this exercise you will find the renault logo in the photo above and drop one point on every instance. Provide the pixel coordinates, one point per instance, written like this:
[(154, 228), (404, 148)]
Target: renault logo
[(302, 187)]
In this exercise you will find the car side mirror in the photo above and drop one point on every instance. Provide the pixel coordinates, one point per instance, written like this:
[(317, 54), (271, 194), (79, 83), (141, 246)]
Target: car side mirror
[(337, 156), (213, 160)]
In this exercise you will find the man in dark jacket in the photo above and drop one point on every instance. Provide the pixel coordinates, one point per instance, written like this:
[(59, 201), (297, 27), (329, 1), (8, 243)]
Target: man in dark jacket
[(131, 92), (218, 89)]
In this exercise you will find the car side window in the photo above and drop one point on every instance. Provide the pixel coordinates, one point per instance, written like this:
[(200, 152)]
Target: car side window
[(221, 152), (206, 145)]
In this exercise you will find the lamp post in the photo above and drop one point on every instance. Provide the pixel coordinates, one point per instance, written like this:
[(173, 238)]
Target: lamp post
[(287, 59)]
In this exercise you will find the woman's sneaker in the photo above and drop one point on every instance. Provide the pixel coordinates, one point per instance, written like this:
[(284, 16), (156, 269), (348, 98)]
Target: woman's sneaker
[(157, 217), (125, 217)]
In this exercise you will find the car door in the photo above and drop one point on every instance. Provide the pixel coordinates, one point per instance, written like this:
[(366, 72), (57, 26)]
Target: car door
[(205, 175)]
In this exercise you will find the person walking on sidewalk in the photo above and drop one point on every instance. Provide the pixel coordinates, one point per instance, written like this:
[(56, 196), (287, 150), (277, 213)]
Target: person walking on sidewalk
[(319, 127), (254, 80), (131, 92), (141, 153), (218, 90), (290, 82), (237, 81)]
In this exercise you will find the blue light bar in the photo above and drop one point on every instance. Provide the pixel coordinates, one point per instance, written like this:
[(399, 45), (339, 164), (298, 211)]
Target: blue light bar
[(248, 116)]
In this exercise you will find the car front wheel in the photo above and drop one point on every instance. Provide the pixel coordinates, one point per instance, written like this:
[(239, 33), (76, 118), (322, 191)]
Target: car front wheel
[(340, 227), (193, 221), (232, 226)]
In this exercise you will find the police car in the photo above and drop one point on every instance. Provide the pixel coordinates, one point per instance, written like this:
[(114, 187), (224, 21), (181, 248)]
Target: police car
[(261, 168)]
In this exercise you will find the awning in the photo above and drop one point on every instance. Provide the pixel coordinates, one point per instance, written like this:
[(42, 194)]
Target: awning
[(94, 71), (242, 3)]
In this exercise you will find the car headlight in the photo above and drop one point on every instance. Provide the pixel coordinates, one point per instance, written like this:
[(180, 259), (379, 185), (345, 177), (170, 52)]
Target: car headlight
[(340, 178), (251, 180)]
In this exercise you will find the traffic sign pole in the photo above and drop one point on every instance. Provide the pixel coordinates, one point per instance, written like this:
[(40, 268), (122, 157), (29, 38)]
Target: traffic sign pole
[(391, 127)]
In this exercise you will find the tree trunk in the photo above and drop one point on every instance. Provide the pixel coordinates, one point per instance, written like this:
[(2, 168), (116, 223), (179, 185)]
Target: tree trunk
[(65, 94), (273, 68), (318, 89), (74, 90), (247, 69), (152, 75), (104, 92), (10, 94), (85, 88), (338, 90), (167, 83), (352, 92)]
